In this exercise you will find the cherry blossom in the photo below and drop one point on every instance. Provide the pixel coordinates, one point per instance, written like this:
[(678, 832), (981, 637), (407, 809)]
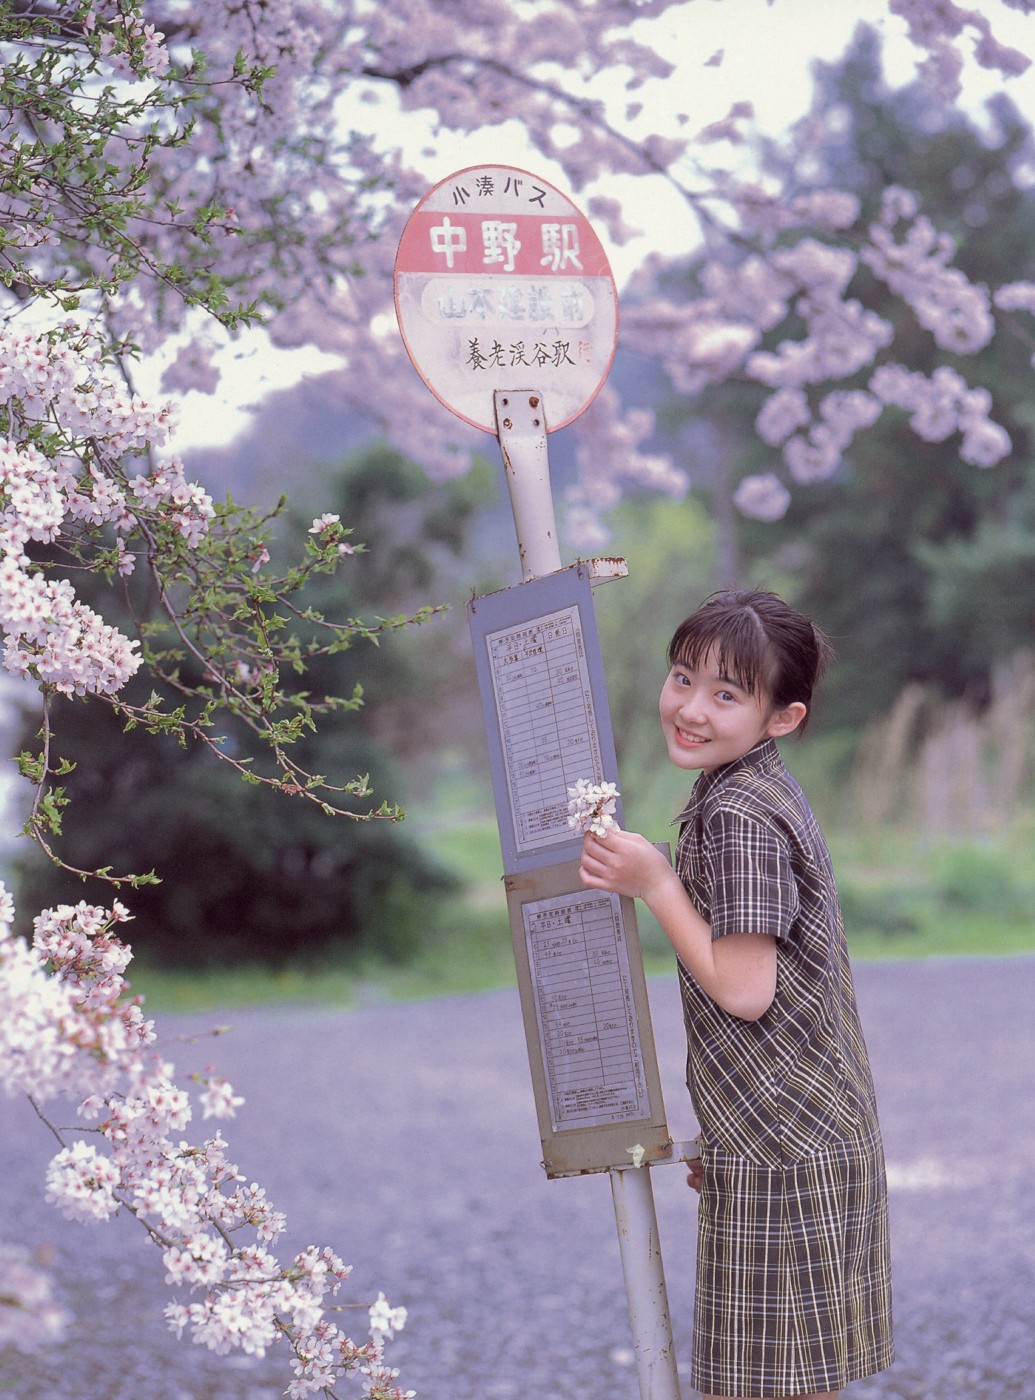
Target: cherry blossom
[(1015, 296), (265, 161), (954, 310), (81, 1182), (30, 1319), (942, 404), (612, 430), (813, 422), (592, 807), (782, 412), (935, 25), (762, 496), (68, 1030), (218, 1099)]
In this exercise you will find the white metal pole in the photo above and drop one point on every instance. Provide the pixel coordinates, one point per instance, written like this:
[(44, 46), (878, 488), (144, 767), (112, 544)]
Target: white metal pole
[(644, 1274), (521, 429)]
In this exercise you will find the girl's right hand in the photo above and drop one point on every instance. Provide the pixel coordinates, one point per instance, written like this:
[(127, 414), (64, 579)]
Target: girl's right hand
[(623, 862)]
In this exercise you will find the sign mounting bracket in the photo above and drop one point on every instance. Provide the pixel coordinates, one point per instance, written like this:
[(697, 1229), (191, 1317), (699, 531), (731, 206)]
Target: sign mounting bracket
[(521, 429)]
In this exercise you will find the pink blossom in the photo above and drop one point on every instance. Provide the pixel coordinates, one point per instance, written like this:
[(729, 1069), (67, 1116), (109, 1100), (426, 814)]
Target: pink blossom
[(127, 562), (813, 458), (1015, 296), (727, 128), (385, 1319), (762, 497), (843, 338), (82, 1183), (708, 351), (610, 452), (752, 290), (826, 209), (942, 404), (192, 370), (29, 1317), (847, 411), (985, 443), (218, 1099), (66, 1029), (822, 271), (935, 25), (781, 413), (201, 1261), (954, 310)]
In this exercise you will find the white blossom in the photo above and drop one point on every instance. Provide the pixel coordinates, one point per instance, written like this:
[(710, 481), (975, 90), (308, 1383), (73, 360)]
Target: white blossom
[(592, 807), (66, 1029)]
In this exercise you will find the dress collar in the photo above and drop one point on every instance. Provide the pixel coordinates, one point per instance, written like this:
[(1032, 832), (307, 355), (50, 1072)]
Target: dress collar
[(763, 758)]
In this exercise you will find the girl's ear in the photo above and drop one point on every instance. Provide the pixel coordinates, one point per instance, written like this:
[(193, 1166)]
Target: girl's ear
[(786, 721)]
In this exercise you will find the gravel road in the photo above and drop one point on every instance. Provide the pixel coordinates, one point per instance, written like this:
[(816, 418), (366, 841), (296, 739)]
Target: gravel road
[(404, 1136)]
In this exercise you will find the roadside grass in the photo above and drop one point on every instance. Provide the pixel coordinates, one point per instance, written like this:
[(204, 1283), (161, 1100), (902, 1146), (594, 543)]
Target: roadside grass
[(467, 950), (905, 896)]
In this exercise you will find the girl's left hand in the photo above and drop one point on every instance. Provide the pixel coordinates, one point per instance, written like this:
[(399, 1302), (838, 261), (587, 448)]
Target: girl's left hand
[(622, 862), (695, 1170)]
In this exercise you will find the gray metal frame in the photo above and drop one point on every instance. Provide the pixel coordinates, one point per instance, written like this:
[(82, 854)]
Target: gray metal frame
[(634, 1140), (510, 608)]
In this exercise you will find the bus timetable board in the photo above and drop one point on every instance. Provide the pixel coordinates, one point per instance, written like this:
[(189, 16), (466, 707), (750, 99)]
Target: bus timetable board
[(545, 705), (587, 1024), (579, 967)]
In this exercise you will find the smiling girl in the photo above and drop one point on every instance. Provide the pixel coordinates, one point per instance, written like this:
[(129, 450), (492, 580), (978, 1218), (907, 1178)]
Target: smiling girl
[(793, 1290)]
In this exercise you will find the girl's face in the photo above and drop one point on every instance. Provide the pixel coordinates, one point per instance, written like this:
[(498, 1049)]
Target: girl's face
[(709, 720)]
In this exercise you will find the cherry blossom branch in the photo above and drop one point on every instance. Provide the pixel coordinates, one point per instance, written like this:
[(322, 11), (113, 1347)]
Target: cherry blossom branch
[(68, 1030), (653, 155)]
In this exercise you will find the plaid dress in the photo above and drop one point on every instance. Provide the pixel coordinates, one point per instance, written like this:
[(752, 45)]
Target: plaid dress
[(793, 1270)]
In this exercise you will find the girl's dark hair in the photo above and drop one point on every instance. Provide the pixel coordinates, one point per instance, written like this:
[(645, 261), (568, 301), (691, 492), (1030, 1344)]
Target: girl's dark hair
[(760, 642)]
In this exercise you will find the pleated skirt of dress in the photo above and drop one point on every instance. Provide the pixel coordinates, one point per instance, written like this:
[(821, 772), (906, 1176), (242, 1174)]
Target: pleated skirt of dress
[(793, 1273)]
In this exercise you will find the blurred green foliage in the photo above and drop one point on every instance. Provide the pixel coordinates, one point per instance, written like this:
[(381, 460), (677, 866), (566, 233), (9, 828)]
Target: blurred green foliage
[(248, 876)]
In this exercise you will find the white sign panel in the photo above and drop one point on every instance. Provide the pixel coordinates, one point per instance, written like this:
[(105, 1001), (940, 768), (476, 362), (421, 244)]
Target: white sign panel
[(544, 705), (501, 282), (588, 1032), (541, 679)]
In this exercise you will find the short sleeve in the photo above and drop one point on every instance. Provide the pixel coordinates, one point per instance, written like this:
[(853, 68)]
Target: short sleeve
[(751, 884)]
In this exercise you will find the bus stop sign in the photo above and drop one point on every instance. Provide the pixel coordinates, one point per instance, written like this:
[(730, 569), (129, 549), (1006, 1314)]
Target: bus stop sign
[(508, 310), (501, 281)]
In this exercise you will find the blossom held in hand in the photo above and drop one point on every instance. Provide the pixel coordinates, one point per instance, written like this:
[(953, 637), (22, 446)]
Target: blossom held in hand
[(592, 807)]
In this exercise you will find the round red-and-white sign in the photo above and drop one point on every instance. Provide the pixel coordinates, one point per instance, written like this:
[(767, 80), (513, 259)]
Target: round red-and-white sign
[(501, 283)]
